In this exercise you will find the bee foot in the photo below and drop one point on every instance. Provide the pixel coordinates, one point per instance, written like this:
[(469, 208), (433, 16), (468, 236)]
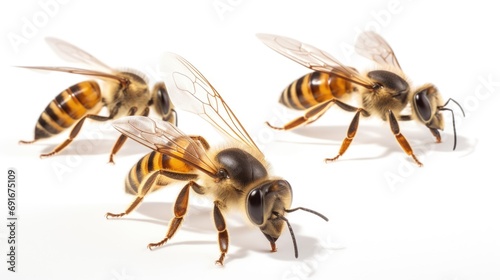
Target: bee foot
[(328, 160), (220, 261), (151, 246), (111, 215)]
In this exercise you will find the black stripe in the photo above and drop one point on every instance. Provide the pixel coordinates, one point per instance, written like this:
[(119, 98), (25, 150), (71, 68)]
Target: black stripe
[(72, 91), (164, 161), (55, 117), (129, 187), (61, 103), (49, 128), (138, 170), (131, 183), (41, 133), (151, 162), (300, 94), (314, 83)]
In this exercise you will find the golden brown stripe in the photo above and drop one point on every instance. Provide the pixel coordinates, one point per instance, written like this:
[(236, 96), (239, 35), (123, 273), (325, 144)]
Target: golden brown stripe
[(148, 164), (89, 94), (70, 104), (314, 88)]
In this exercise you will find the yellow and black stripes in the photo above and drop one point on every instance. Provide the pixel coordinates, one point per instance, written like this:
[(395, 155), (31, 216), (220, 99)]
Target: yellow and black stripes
[(68, 107), (151, 162), (314, 88)]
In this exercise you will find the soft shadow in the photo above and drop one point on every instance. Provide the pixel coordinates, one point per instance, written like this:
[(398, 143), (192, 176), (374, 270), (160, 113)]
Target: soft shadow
[(419, 139), (95, 147), (244, 238)]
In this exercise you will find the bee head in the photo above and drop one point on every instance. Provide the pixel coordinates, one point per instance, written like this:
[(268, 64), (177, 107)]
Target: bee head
[(425, 103), (266, 206), (428, 104), (162, 103)]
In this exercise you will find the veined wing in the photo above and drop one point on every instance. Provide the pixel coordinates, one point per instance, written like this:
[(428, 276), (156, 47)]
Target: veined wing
[(166, 138), (313, 58), (103, 75), (372, 46), (191, 91), (73, 53)]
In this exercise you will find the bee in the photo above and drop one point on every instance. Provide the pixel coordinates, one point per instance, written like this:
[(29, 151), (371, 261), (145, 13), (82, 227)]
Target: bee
[(384, 92), (124, 93), (236, 176)]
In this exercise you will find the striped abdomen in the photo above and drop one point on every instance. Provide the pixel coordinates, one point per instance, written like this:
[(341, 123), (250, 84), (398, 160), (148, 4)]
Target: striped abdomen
[(149, 163), (315, 88), (68, 107)]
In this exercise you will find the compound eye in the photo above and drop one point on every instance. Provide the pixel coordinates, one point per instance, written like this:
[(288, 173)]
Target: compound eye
[(255, 206), (164, 101), (423, 106)]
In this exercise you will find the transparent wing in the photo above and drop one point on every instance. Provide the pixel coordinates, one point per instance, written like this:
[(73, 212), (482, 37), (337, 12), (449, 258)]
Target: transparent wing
[(313, 58), (72, 53), (103, 75), (374, 47), (165, 138), (191, 91)]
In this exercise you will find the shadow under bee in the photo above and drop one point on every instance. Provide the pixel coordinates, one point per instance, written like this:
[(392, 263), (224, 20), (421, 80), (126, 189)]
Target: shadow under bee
[(93, 147), (371, 134), (199, 220)]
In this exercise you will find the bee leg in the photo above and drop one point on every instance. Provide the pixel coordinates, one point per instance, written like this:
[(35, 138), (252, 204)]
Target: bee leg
[(351, 132), (311, 115), (121, 140), (180, 209), (142, 191), (436, 134), (400, 138), (24, 142), (434, 131), (74, 132), (76, 129), (157, 178), (223, 239)]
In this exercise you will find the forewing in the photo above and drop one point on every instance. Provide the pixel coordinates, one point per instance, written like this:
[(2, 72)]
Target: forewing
[(313, 58), (72, 53), (166, 138), (191, 91), (372, 46), (86, 72)]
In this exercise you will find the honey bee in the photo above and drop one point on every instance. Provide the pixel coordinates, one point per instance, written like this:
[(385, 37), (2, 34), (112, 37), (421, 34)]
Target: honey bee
[(236, 176), (124, 93), (384, 92)]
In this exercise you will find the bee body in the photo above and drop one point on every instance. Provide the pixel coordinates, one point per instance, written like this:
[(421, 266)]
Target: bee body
[(121, 92), (68, 107), (384, 92), (314, 88), (235, 176)]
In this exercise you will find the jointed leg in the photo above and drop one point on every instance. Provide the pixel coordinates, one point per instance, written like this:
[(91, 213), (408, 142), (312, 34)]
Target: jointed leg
[(122, 138), (311, 115), (434, 131), (143, 190), (180, 209), (74, 132), (400, 138), (436, 134), (351, 132), (223, 236), (76, 129), (148, 185)]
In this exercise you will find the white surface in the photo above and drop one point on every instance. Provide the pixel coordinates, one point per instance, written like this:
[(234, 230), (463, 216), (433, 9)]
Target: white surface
[(388, 218)]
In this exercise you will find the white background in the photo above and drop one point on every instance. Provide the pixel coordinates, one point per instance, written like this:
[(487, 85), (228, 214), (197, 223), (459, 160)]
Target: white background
[(389, 219)]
